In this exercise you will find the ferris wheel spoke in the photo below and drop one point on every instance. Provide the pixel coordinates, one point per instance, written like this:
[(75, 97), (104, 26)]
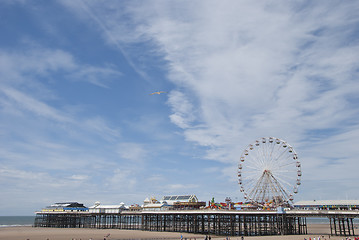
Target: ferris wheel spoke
[(274, 160), (279, 157), (254, 168), (271, 146), (285, 165), (255, 162), (270, 155), (262, 152), (253, 154), (285, 159), (284, 172), (253, 171), (286, 180), (252, 177)]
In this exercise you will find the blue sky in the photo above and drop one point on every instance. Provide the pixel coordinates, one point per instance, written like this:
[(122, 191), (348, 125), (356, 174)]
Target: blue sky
[(78, 123)]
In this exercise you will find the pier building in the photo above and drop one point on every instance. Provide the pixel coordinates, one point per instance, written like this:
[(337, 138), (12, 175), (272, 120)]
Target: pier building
[(152, 204), (99, 208), (172, 202), (66, 207), (327, 205), (183, 202)]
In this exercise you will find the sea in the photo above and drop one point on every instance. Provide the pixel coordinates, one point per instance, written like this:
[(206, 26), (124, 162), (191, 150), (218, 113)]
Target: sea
[(16, 221)]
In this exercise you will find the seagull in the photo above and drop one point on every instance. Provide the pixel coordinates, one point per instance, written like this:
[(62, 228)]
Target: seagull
[(159, 92)]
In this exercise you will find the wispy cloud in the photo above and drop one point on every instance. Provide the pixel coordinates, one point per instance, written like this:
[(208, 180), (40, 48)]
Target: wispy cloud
[(91, 11), (42, 140), (245, 71), (42, 61), (95, 75), (37, 107)]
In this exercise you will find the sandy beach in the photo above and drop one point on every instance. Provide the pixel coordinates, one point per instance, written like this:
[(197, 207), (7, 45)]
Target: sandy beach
[(31, 233)]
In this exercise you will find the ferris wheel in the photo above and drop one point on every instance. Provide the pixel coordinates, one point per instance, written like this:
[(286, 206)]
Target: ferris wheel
[(269, 172)]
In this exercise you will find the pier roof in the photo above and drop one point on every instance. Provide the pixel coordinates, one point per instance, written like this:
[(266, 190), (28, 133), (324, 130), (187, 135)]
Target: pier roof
[(327, 203), (98, 205), (67, 204), (179, 198)]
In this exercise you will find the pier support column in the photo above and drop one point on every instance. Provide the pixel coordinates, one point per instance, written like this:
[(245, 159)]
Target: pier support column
[(341, 226)]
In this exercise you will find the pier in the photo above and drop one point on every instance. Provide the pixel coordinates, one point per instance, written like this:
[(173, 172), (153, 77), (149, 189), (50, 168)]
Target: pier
[(215, 222), (227, 223)]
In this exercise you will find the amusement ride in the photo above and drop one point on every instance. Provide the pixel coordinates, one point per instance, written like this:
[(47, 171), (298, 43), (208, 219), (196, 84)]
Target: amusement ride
[(269, 173)]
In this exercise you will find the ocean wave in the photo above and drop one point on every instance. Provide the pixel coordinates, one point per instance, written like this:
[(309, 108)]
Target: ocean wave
[(15, 225)]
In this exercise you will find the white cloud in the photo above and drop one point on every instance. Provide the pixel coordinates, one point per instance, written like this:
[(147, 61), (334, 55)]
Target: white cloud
[(101, 127), (20, 174), (184, 112), (122, 179), (176, 188), (132, 151), (157, 178), (38, 61), (79, 177)]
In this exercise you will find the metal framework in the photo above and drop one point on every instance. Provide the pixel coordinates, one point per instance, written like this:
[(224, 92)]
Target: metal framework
[(89, 220), (226, 223)]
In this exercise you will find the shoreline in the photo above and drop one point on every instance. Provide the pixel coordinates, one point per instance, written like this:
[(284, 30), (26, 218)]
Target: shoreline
[(32, 233)]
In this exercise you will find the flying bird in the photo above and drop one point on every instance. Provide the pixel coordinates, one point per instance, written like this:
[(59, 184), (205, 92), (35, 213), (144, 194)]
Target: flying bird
[(159, 92)]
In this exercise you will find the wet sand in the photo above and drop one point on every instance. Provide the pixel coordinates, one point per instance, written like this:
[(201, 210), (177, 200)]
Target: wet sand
[(31, 233)]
